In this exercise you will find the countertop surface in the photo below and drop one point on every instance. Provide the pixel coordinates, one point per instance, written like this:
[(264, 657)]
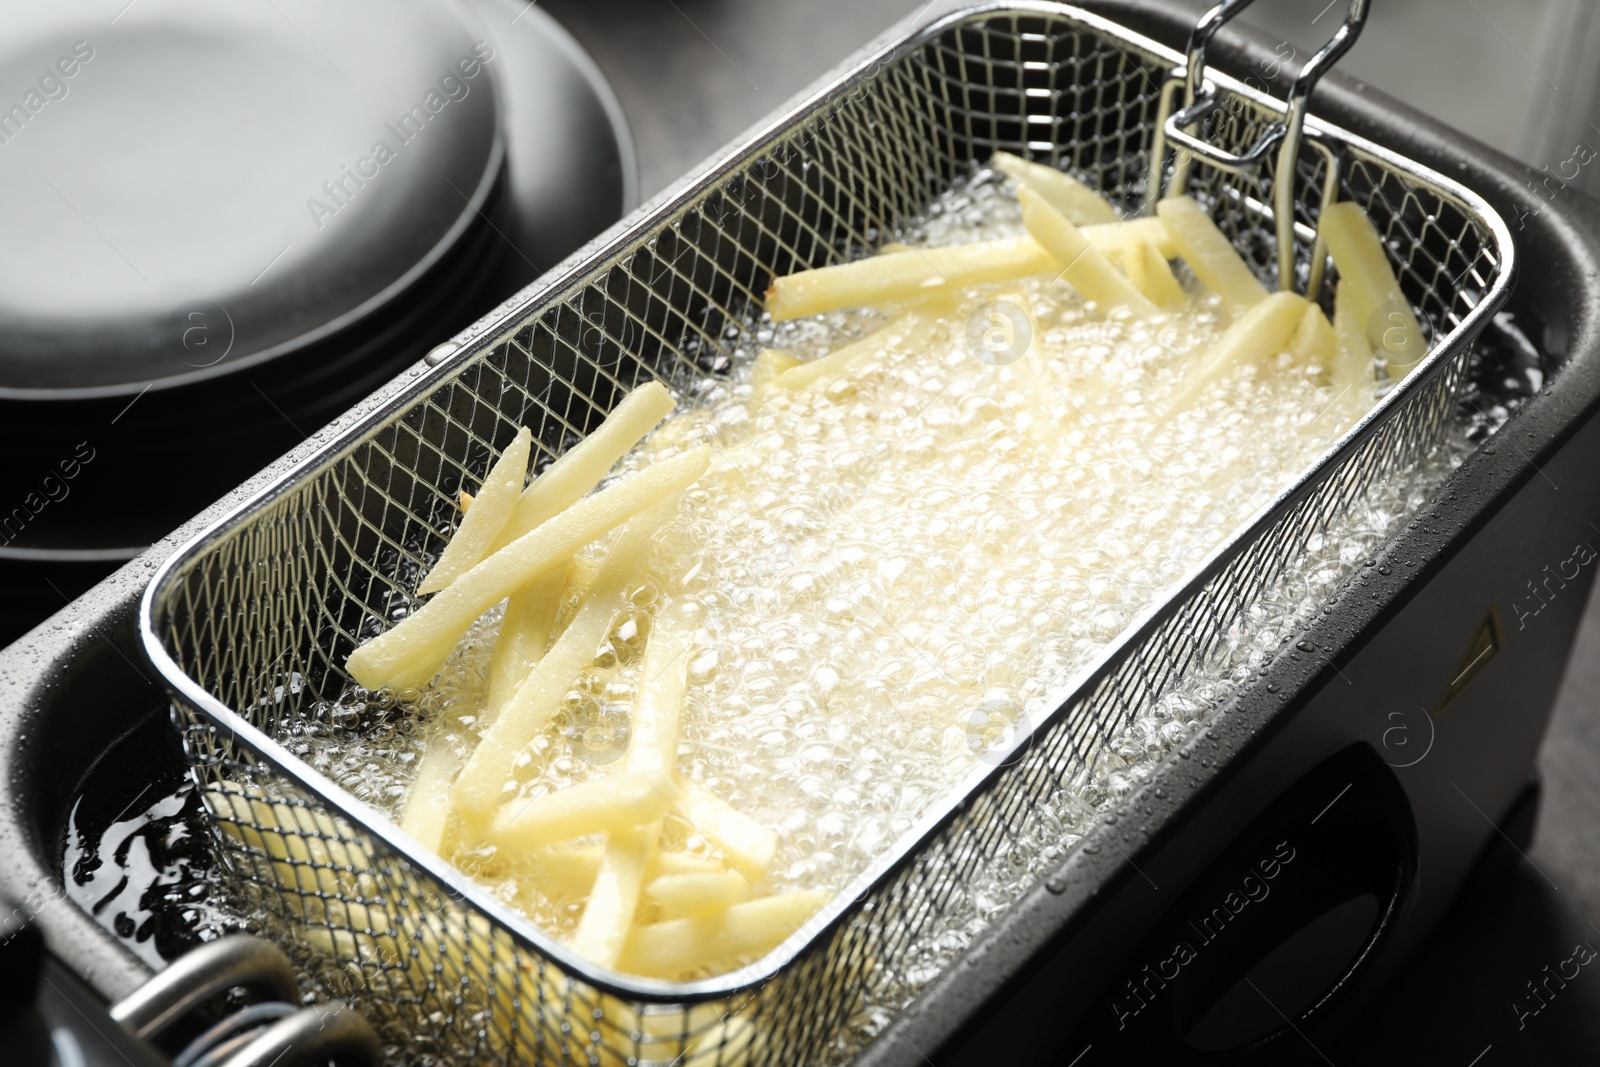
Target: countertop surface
[(692, 74)]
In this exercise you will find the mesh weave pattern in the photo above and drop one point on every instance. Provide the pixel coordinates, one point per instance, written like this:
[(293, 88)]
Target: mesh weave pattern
[(262, 615)]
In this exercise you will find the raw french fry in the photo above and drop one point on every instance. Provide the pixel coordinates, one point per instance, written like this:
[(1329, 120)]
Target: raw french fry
[(743, 932), (566, 872), (525, 630), (1000, 337), (1065, 193), (1082, 265), (685, 895), (608, 913), (427, 810), (1150, 273), (490, 509), (894, 246), (444, 948), (1111, 237), (308, 850), (412, 651), (892, 277), (562, 873), (1209, 253), (1359, 254), (652, 752), (464, 501), (1313, 344), (1261, 332), (521, 1002), (581, 467), (769, 364), (654, 725), (598, 806), (898, 276), (903, 329), (581, 577), (1352, 371), (677, 431), (308, 855), (733, 1041), (745, 845), (676, 863), (478, 788)]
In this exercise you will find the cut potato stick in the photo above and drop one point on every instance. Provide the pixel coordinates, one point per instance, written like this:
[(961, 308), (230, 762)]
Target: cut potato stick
[(608, 913), (686, 895), (535, 701), (431, 948), (525, 629), (585, 571), (652, 752), (1065, 193), (677, 431), (411, 652), (598, 806), (491, 507), (582, 466), (464, 501), (1358, 253), (744, 844), (1313, 344), (668, 864), (566, 872), (732, 1041), (560, 874), (307, 849), (1352, 370), (1111, 237), (893, 277), (654, 724), (682, 947), (1209, 253), (479, 787), (1150, 273), (771, 363), (1082, 265), (427, 810), (838, 362), (441, 946), (1261, 332), (898, 276)]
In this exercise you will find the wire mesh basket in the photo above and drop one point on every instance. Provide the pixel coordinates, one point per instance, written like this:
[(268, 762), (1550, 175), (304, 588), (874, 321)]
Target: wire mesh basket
[(251, 622)]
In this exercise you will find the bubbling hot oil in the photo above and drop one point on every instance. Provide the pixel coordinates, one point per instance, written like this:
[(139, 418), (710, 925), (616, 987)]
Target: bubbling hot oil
[(893, 568)]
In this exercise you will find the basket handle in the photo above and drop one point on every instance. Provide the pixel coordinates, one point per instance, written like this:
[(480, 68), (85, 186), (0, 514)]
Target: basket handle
[(1200, 100)]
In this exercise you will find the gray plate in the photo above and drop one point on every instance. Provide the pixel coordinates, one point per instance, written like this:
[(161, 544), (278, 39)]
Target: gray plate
[(285, 168)]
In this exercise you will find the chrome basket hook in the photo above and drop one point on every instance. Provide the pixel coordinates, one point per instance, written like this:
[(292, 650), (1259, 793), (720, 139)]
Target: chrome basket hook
[(1201, 99)]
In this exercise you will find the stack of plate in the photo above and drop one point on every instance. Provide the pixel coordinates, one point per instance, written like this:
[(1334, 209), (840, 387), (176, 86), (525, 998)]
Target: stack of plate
[(228, 222)]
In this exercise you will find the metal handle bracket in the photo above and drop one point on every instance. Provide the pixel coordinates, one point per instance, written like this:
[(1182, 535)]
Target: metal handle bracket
[(1201, 99)]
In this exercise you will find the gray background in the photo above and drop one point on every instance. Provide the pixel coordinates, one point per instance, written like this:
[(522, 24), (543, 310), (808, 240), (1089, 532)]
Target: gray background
[(1518, 74)]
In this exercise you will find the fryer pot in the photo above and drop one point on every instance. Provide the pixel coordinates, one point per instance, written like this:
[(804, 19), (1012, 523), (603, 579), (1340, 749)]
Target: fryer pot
[(1398, 638)]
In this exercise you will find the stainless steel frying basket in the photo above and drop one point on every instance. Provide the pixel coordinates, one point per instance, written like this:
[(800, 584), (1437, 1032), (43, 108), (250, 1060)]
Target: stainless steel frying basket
[(251, 622)]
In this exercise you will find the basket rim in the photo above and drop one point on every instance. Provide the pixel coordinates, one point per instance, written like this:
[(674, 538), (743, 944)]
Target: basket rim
[(543, 294)]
